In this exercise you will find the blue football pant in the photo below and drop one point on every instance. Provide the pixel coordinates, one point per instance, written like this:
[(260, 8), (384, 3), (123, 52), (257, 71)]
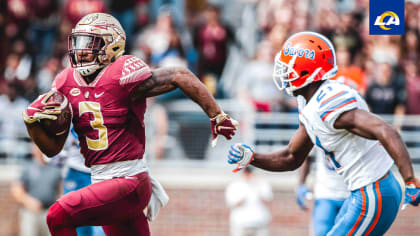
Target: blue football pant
[(324, 214), (369, 210)]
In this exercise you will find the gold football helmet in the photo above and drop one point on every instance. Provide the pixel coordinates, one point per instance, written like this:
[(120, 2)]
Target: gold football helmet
[(97, 40)]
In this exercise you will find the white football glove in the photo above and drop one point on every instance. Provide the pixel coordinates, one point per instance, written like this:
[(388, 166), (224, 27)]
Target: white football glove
[(158, 199), (240, 154)]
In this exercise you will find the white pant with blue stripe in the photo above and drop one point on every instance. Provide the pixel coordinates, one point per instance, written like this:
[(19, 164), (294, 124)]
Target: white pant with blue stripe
[(370, 210)]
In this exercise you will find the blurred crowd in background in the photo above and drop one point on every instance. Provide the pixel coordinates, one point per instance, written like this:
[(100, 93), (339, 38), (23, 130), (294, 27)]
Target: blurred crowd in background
[(229, 45)]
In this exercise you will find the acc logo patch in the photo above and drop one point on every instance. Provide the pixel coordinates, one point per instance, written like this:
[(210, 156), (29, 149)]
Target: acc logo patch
[(392, 19), (75, 92)]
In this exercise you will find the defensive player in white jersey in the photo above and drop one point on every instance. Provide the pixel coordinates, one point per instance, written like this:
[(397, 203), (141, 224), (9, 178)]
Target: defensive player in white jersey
[(361, 147), (329, 192)]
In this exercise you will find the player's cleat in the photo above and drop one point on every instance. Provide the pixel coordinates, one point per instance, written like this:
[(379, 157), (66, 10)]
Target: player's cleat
[(412, 195), (224, 125), (240, 154)]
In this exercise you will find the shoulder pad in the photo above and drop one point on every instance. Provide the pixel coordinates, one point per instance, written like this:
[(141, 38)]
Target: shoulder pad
[(130, 71), (334, 102)]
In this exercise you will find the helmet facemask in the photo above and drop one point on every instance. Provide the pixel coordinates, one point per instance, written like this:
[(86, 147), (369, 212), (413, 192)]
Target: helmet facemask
[(284, 74), (87, 52)]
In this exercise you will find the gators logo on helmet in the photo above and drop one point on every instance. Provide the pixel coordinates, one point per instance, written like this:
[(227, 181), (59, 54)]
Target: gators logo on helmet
[(306, 57)]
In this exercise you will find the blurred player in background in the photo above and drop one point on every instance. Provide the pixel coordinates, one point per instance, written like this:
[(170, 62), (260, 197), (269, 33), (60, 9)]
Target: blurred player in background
[(362, 147), (39, 186), (349, 74), (330, 192), (247, 198), (107, 93)]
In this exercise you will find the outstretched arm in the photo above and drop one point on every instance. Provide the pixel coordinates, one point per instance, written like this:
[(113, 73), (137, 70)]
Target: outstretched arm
[(164, 80), (304, 170), (290, 158), (370, 126), (167, 79)]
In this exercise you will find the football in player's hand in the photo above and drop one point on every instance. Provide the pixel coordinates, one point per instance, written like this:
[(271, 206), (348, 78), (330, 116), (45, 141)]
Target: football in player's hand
[(57, 102)]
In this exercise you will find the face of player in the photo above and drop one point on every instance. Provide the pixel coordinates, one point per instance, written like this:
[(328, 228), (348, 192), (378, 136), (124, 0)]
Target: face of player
[(86, 48), (85, 56)]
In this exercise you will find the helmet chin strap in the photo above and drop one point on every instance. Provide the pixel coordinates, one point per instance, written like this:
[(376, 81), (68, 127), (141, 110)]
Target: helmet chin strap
[(88, 70)]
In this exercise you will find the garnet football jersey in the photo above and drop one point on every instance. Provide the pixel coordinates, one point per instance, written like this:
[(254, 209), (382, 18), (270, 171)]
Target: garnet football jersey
[(110, 127)]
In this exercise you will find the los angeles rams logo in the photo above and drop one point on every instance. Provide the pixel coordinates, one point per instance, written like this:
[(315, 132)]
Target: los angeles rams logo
[(301, 52), (393, 19)]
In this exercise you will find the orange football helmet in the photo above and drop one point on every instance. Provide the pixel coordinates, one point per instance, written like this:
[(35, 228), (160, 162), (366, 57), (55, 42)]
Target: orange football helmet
[(306, 57)]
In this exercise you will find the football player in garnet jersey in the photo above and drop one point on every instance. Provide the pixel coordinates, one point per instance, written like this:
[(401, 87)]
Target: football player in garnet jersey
[(361, 147), (107, 92)]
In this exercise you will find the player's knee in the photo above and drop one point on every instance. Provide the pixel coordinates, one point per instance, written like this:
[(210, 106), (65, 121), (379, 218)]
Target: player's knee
[(57, 217)]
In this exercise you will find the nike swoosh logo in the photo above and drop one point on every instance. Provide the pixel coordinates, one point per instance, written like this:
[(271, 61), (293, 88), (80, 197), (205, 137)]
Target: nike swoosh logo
[(98, 95)]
